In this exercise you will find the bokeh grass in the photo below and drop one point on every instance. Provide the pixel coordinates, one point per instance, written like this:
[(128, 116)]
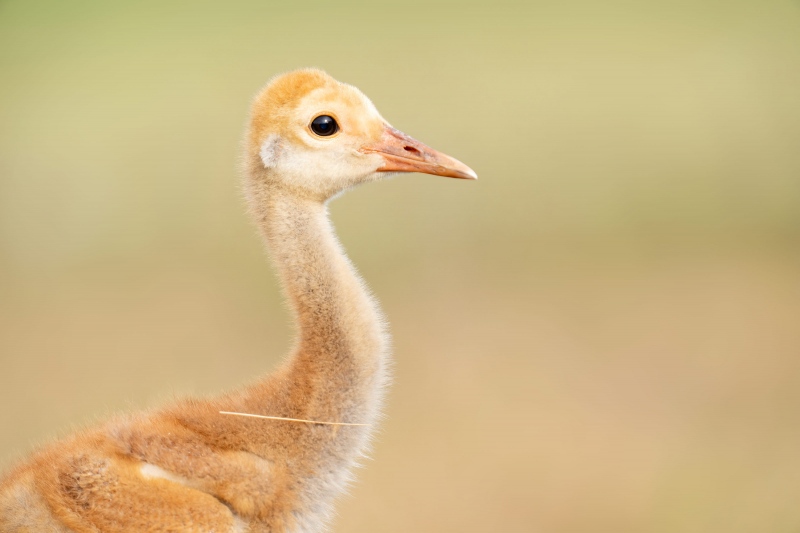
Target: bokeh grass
[(601, 334)]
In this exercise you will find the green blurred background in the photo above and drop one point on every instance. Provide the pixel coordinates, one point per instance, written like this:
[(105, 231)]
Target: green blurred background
[(601, 334)]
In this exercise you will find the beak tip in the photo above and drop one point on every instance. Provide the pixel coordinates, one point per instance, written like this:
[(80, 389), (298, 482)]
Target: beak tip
[(465, 172)]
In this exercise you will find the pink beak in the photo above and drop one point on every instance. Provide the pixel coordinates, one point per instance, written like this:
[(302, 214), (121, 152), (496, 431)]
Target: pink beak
[(402, 153)]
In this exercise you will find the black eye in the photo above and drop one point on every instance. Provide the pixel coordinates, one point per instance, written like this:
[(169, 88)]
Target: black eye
[(324, 125)]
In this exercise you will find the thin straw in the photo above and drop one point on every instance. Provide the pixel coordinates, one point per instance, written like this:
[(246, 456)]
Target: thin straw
[(291, 419)]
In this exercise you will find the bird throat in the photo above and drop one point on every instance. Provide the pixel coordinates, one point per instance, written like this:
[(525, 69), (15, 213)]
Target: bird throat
[(342, 346)]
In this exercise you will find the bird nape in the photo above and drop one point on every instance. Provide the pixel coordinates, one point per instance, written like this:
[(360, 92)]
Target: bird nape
[(189, 467)]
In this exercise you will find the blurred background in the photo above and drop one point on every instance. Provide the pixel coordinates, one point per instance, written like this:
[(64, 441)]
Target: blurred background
[(601, 334)]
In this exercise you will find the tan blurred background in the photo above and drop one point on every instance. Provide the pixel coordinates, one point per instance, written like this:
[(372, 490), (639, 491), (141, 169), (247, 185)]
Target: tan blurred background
[(602, 334)]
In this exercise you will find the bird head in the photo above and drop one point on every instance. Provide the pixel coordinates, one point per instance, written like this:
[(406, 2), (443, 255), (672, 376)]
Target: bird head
[(316, 137)]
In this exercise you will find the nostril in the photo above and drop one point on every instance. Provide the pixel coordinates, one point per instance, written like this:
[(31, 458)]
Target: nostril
[(411, 149)]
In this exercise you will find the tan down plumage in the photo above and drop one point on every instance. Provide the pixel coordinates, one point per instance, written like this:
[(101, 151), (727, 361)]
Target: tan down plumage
[(186, 467)]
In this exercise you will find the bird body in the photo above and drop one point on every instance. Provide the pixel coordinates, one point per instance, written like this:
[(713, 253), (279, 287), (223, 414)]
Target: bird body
[(187, 467)]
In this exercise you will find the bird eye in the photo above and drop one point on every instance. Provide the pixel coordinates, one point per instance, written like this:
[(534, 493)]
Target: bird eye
[(324, 125)]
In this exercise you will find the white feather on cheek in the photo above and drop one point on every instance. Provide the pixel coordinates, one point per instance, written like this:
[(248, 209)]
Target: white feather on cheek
[(269, 150)]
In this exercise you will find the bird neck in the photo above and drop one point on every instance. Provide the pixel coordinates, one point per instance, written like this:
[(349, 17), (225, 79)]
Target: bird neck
[(339, 356)]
